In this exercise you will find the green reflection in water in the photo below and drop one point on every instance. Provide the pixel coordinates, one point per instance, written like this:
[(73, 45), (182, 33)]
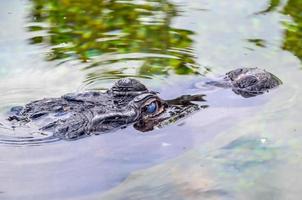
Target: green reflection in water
[(273, 5), (293, 35), (258, 42), (292, 38), (110, 37)]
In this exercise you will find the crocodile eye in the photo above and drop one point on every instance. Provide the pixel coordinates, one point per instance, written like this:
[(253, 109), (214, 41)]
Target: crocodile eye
[(152, 107)]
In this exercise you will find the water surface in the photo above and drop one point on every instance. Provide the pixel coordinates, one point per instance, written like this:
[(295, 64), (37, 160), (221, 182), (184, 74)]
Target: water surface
[(235, 149)]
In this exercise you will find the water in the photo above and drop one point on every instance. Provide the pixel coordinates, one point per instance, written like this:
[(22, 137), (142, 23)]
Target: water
[(234, 149)]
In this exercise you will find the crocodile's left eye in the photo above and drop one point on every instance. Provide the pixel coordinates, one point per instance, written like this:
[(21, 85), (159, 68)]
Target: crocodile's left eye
[(152, 107)]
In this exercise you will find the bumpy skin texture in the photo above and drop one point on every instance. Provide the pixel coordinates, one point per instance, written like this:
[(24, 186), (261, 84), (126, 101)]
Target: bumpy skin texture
[(77, 115), (249, 82), (73, 116)]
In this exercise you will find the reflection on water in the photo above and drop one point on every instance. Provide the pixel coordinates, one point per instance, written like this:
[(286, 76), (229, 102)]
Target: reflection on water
[(25, 135), (293, 35), (273, 5), (236, 171), (292, 39), (114, 38)]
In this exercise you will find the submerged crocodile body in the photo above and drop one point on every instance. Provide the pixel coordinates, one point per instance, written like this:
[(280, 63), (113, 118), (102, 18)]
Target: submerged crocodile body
[(73, 116)]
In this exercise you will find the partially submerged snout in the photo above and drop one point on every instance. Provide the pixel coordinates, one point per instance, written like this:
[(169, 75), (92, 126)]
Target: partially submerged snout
[(248, 82), (173, 111)]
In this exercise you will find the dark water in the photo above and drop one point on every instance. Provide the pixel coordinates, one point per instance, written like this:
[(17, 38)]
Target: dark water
[(235, 149)]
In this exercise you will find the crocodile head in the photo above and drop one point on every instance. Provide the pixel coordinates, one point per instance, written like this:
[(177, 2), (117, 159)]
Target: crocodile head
[(134, 103), (77, 115), (144, 106)]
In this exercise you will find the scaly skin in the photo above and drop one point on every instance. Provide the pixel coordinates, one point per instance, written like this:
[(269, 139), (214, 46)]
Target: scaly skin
[(77, 115), (250, 82), (73, 116), (247, 82)]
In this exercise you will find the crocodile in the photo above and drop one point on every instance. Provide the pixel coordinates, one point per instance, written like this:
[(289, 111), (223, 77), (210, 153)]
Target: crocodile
[(128, 101)]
